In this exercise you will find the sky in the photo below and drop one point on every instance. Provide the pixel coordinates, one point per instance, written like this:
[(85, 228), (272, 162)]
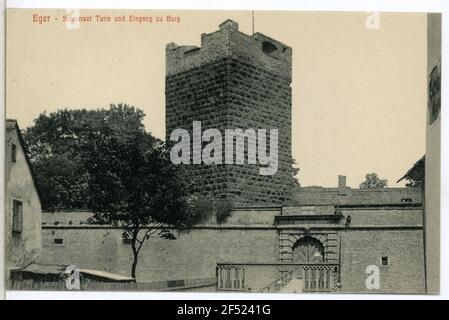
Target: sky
[(358, 94)]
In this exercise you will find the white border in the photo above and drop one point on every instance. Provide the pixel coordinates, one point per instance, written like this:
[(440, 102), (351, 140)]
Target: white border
[(2, 149), (319, 5), (315, 5)]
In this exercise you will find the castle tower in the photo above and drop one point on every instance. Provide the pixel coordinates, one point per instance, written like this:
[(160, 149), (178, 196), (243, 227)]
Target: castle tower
[(233, 81)]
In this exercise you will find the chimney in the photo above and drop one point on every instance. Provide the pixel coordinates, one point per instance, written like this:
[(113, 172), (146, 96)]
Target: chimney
[(229, 25), (341, 182)]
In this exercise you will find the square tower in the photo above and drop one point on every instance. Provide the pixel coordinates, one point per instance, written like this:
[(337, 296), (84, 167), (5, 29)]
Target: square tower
[(234, 81)]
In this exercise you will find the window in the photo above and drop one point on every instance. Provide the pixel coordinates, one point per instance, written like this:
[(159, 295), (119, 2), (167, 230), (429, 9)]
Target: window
[(58, 241), (384, 261), (268, 47), (13, 153), (16, 217)]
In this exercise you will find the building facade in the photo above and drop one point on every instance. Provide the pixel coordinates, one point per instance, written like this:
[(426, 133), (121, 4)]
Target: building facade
[(433, 154), (22, 203)]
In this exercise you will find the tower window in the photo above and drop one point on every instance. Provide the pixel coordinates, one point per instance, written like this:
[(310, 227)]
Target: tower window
[(13, 153), (268, 47), (384, 261)]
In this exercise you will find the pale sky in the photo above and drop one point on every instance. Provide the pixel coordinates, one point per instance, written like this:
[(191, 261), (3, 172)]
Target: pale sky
[(359, 95)]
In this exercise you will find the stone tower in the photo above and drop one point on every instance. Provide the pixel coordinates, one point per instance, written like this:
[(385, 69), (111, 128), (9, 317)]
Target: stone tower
[(233, 81)]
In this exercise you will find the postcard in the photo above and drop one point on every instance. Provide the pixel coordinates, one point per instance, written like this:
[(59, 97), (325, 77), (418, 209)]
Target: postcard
[(222, 151)]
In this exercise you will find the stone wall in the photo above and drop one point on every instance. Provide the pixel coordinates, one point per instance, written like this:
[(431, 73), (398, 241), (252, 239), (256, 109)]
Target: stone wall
[(333, 196), (193, 255), (404, 249), (233, 81), (240, 216), (66, 217), (252, 236), (386, 216)]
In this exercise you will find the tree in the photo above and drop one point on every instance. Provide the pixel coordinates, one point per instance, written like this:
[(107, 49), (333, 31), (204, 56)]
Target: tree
[(53, 145), (104, 160), (207, 206), (223, 210), (372, 181), (134, 186)]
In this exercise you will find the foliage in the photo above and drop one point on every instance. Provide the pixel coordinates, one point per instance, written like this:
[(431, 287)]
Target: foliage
[(207, 208), (223, 210), (202, 206), (53, 145), (372, 181), (295, 171)]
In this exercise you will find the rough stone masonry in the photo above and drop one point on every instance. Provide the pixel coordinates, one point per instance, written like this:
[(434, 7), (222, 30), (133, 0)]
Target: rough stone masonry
[(233, 81)]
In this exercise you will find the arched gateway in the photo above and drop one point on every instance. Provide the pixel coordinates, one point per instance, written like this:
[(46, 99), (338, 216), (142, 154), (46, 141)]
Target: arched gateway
[(308, 250)]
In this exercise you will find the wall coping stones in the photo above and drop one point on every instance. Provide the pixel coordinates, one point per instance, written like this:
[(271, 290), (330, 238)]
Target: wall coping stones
[(249, 227)]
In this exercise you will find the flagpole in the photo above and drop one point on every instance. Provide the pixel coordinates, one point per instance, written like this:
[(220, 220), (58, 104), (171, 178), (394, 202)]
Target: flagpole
[(253, 20)]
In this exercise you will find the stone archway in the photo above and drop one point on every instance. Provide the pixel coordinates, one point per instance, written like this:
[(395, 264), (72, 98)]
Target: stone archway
[(289, 239), (308, 250)]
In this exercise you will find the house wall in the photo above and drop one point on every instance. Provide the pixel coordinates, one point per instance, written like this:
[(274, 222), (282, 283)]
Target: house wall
[(433, 162), (19, 185)]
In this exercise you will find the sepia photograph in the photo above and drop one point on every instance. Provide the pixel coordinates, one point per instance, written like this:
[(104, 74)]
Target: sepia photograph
[(250, 151)]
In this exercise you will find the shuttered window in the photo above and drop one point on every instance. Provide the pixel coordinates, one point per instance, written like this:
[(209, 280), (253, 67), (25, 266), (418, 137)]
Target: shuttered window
[(17, 218), (13, 153)]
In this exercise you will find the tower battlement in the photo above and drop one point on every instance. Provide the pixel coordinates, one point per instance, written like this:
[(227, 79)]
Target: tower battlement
[(228, 41)]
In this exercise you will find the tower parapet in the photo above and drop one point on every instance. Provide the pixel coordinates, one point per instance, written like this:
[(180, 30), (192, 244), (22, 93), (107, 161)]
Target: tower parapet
[(228, 41)]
